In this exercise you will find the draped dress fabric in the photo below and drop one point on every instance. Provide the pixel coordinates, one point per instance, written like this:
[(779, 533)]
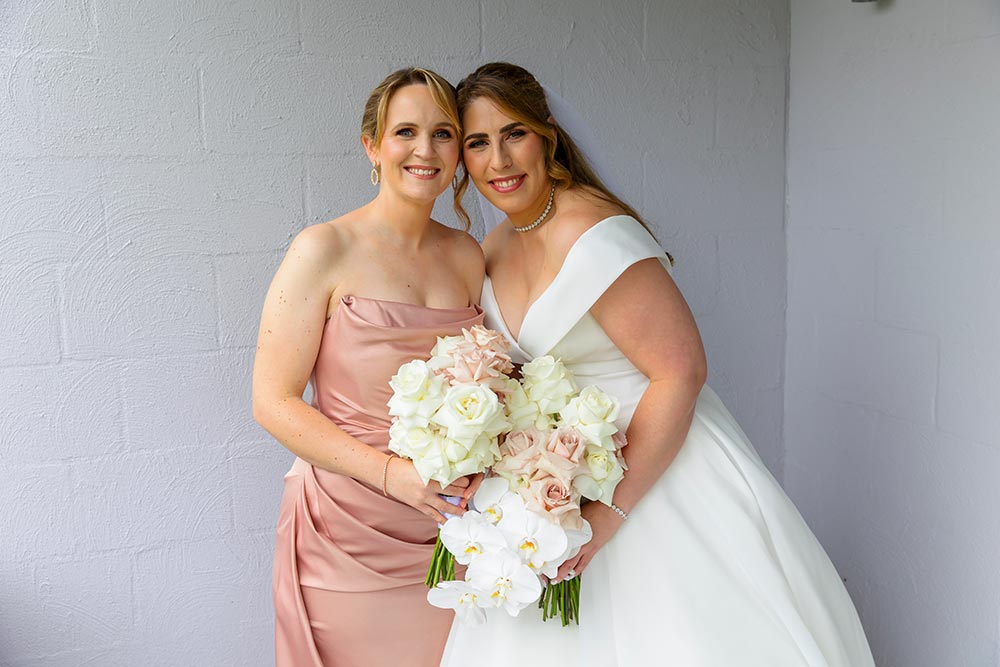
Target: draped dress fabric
[(715, 567), (349, 562)]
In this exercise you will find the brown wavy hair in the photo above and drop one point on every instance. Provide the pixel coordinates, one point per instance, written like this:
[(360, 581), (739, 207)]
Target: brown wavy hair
[(443, 94), (519, 95)]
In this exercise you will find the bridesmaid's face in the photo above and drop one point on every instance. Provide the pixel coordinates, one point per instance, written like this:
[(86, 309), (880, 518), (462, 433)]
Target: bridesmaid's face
[(505, 159), (420, 146)]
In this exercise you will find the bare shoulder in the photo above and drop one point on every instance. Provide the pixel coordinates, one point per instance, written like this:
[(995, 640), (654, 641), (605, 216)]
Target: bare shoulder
[(322, 250), (495, 241), (493, 237), (320, 244), (465, 254), (460, 238), (579, 211)]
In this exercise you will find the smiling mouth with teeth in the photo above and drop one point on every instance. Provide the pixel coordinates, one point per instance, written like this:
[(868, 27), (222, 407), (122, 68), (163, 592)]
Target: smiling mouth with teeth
[(507, 184), (422, 172)]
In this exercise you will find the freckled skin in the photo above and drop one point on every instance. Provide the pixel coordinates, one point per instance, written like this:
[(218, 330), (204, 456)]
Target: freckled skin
[(389, 249)]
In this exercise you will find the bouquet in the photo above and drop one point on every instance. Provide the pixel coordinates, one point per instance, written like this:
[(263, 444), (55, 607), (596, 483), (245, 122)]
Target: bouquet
[(563, 448), (448, 413)]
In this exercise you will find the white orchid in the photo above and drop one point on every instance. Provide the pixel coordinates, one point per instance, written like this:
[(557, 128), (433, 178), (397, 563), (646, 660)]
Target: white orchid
[(471, 535), (576, 539), (468, 602), (537, 541), (509, 583), (494, 499)]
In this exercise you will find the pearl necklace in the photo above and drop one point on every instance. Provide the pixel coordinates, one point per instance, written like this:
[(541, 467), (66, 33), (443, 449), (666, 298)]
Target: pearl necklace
[(541, 218)]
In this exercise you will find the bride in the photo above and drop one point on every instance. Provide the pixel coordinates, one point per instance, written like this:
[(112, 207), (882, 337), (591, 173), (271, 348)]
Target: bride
[(701, 560)]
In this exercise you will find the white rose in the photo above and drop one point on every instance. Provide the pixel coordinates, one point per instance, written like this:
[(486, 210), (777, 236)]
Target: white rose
[(522, 411), (441, 355), (435, 468), (470, 411), (416, 391), (593, 406), (424, 447), (468, 465), (602, 476), (593, 413), (411, 439), (548, 383), (397, 439), (446, 345)]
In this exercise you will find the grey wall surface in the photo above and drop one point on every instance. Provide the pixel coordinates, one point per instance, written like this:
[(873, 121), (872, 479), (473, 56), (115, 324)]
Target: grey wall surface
[(156, 157), (892, 427)]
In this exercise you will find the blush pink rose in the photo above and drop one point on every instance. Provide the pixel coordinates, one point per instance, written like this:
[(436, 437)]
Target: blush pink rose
[(520, 441), (519, 455), (554, 499), (568, 443), (492, 341), (561, 453), (478, 365)]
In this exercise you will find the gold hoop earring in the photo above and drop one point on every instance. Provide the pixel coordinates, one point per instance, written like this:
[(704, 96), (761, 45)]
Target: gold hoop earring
[(374, 175)]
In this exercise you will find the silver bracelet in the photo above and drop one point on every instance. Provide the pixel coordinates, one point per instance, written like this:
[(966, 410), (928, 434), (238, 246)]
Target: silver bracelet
[(620, 512)]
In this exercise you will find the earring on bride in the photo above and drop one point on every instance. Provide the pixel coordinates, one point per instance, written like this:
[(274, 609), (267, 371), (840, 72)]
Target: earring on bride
[(375, 174)]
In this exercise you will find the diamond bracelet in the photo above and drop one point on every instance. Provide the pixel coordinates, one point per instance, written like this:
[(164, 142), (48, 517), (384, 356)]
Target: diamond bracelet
[(620, 512)]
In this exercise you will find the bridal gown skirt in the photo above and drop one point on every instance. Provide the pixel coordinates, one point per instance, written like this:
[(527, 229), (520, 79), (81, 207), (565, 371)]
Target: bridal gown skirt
[(714, 568)]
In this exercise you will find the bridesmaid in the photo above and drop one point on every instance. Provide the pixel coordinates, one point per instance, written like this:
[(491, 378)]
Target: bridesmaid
[(353, 299)]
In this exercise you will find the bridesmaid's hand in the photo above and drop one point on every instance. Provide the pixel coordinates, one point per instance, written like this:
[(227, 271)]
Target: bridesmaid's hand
[(605, 523), (402, 482)]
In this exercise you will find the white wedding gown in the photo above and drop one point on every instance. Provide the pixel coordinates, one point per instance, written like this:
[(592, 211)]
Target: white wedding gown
[(715, 567)]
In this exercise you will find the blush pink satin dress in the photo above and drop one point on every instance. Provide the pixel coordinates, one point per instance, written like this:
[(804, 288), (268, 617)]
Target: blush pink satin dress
[(349, 563)]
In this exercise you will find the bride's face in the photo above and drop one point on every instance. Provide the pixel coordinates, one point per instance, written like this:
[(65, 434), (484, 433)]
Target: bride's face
[(505, 159), (420, 146)]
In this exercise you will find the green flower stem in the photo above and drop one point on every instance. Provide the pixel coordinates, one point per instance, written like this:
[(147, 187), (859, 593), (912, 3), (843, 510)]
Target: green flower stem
[(563, 600), (442, 567)]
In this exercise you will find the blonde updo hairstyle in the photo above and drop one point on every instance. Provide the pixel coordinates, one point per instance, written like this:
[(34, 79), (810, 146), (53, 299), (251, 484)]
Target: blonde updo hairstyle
[(443, 94)]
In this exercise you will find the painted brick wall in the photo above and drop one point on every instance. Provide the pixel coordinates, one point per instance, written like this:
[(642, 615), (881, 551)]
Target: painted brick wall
[(892, 427), (156, 157)]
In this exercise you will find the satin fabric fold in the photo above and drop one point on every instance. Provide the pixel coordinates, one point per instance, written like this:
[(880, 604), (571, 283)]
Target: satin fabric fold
[(349, 562)]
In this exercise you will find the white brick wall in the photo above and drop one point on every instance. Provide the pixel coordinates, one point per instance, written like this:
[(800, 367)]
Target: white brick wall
[(156, 157), (892, 433)]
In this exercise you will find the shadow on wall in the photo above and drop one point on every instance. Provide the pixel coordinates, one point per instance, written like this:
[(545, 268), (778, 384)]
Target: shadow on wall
[(878, 5)]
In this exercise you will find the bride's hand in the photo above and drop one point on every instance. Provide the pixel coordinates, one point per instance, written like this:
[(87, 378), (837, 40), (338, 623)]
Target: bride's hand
[(605, 523), (402, 482), (470, 490)]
